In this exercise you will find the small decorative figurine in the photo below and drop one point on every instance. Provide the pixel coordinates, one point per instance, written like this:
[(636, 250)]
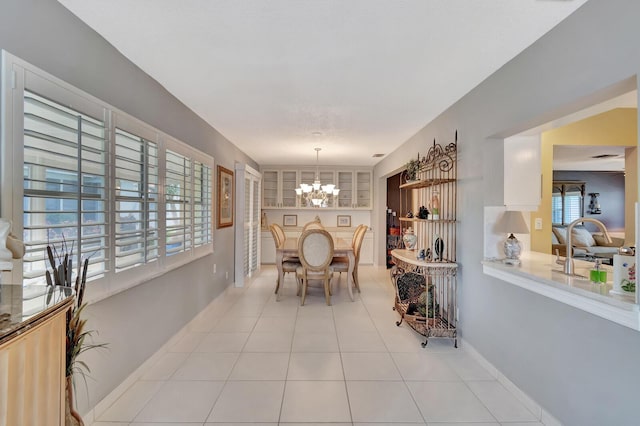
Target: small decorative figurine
[(435, 206), (422, 254), (423, 213), (409, 214)]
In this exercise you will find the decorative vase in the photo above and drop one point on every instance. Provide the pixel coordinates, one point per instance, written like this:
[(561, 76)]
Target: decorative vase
[(72, 418), (409, 239)]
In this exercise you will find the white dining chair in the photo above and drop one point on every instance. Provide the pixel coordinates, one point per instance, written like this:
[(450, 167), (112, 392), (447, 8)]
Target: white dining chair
[(315, 248), (341, 264), (289, 264)]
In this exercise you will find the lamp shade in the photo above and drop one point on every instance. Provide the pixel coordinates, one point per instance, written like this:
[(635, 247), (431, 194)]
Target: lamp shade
[(512, 222)]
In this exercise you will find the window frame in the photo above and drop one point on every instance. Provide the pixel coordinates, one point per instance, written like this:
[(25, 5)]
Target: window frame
[(18, 76), (567, 189)]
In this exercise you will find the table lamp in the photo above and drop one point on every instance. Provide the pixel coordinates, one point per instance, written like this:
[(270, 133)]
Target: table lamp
[(512, 222)]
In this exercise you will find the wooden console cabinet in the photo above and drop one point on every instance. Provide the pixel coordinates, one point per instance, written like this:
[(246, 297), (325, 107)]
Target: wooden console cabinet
[(32, 354)]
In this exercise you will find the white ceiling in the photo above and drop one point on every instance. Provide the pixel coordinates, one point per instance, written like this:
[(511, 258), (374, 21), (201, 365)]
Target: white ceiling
[(574, 157), (365, 74)]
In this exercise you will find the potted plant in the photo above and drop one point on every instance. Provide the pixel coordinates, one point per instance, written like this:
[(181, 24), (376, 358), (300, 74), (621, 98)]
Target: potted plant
[(62, 274), (411, 169)]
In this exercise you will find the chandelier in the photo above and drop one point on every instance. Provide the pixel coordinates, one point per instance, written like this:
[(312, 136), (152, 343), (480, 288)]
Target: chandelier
[(316, 194)]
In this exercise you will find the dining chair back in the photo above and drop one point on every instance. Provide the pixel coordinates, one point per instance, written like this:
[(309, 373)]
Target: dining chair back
[(315, 248), (357, 246), (355, 233), (312, 225), (279, 231), (288, 264), (341, 264), (274, 234)]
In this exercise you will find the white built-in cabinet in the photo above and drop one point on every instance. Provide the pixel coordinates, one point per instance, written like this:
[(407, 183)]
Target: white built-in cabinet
[(355, 189), (522, 173), (278, 188)]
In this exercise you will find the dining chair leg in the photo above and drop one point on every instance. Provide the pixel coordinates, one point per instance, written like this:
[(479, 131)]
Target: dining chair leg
[(304, 291), (327, 293), (355, 280), (277, 285)]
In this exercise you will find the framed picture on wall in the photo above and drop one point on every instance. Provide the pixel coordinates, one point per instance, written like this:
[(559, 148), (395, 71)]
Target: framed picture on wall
[(225, 197), (290, 219), (344, 221)]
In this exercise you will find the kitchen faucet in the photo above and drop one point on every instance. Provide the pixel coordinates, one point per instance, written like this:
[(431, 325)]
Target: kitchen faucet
[(568, 261)]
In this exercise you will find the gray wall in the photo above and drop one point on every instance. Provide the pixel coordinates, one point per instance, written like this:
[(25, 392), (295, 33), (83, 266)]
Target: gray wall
[(610, 185), (137, 322), (582, 369)]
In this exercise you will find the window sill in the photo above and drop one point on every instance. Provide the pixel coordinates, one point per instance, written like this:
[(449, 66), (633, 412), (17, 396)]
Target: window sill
[(540, 274), (101, 289)]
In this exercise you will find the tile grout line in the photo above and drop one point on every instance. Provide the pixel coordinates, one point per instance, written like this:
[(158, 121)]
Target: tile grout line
[(286, 381), (372, 306), (344, 376), (396, 365)]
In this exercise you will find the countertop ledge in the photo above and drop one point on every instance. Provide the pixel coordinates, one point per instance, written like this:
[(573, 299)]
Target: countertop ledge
[(23, 307), (540, 274)]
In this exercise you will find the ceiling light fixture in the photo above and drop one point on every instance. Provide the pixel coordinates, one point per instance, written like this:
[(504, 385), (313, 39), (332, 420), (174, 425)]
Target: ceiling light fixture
[(316, 194)]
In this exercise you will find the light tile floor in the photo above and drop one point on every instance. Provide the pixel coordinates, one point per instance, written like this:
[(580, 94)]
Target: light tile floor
[(250, 360)]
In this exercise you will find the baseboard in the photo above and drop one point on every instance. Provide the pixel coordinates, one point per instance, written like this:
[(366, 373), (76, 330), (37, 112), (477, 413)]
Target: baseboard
[(542, 415)]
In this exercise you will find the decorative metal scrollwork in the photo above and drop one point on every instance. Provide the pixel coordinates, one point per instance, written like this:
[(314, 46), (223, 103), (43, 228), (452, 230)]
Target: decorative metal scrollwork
[(442, 156)]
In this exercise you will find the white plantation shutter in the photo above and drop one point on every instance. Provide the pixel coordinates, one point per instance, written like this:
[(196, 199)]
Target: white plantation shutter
[(255, 212), (246, 222), (556, 208), (77, 171), (572, 206), (248, 208), (64, 170), (178, 199), (202, 205), (136, 200), (567, 202)]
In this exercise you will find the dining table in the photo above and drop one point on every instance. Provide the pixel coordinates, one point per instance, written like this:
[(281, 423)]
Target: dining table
[(341, 248)]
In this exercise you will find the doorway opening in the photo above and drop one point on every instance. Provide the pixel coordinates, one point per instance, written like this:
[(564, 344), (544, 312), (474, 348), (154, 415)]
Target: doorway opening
[(393, 213)]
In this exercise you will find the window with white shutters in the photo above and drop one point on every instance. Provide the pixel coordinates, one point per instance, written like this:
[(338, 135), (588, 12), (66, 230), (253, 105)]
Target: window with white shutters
[(136, 200), (114, 190), (567, 202), (64, 193)]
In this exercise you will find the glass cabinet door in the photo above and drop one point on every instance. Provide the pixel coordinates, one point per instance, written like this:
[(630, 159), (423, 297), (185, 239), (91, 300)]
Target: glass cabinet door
[(363, 189), (278, 188), (270, 188), (289, 184), (345, 183)]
